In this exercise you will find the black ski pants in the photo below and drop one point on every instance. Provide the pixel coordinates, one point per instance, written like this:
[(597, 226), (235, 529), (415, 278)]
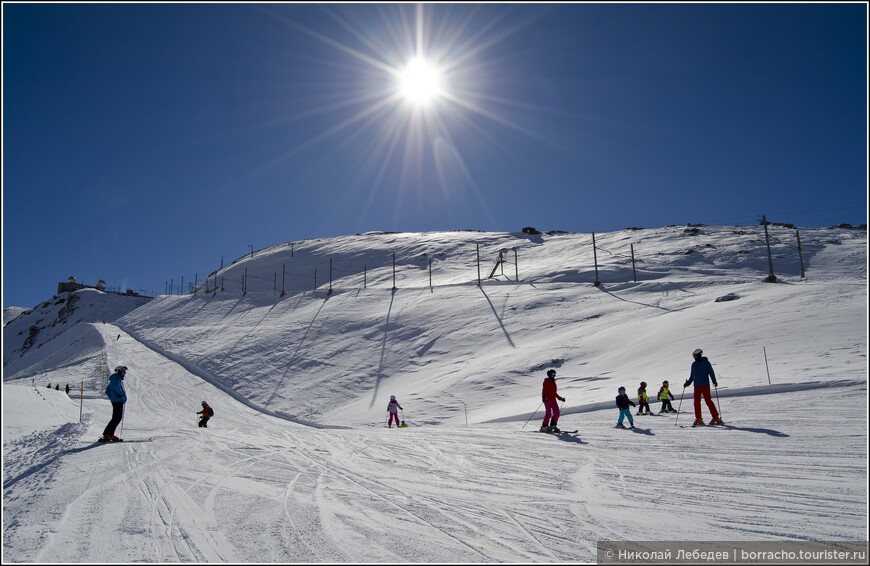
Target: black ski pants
[(117, 416)]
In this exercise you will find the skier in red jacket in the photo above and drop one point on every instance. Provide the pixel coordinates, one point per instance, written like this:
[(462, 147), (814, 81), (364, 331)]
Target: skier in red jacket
[(550, 397)]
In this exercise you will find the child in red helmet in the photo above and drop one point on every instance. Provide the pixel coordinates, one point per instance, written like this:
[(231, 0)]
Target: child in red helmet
[(665, 397), (642, 399)]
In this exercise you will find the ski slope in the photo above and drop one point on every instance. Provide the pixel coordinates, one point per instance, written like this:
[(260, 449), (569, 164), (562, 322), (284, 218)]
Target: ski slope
[(297, 466)]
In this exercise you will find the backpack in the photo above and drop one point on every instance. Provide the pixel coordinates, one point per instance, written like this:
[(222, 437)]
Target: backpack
[(210, 412)]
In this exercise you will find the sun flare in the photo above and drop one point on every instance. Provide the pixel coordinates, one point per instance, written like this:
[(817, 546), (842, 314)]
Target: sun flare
[(420, 82)]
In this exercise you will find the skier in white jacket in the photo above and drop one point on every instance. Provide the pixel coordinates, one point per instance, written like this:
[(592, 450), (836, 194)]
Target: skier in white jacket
[(393, 408)]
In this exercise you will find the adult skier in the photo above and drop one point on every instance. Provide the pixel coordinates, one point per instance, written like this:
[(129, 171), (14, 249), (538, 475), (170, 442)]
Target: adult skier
[(117, 396), (701, 375), (550, 397)]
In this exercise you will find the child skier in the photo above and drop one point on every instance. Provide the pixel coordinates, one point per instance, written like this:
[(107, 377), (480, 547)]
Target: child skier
[(393, 408), (665, 397), (643, 399), (207, 413), (622, 401), (550, 397)]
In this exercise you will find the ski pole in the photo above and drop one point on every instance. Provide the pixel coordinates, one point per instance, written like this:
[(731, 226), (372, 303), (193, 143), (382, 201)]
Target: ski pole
[(680, 406), (122, 421), (716, 389), (533, 414)]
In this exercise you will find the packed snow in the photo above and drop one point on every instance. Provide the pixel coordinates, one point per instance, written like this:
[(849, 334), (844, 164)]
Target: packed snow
[(298, 348)]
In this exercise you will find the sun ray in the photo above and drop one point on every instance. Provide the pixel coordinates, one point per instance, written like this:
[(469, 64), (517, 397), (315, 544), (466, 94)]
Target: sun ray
[(324, 135), (340, 46), (422, 75)]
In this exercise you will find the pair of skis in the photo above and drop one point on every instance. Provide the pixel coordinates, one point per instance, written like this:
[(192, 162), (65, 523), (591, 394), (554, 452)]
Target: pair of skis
[(703, 425)]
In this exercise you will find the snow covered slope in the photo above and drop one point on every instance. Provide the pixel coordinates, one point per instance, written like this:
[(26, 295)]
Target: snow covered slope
[(260, 486), (59, 333), (456, 349)]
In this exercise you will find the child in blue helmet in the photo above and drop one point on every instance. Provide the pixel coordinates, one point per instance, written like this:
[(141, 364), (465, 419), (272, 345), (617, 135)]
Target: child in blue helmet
[(623, 402)]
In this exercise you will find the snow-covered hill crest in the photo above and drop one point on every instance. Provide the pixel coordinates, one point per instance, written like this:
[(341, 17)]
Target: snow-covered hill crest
[(454, 350), (59, 330)]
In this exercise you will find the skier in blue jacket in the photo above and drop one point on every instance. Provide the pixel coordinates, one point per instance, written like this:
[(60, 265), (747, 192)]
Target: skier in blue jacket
[(702, 374), (117, 396)]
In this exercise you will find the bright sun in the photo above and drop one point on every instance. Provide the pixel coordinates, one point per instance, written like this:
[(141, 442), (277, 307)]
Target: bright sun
[(420, 82)]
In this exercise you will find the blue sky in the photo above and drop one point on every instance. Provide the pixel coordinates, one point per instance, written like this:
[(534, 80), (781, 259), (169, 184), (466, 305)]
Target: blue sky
[(146, 142)]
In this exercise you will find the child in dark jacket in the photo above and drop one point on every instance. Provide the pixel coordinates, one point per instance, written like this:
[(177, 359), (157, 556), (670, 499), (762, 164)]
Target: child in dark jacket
[(207, 412), (623, 402)]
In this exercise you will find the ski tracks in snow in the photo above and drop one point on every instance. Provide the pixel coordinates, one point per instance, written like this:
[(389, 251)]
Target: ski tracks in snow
[(253, 488)]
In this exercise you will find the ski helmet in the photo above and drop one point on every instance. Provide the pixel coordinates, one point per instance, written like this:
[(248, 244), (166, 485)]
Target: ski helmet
[(204, 403), (665, 382), (621, 389), (698, 352), (392, 397), (643, 383), (551, 373), (120, 368)]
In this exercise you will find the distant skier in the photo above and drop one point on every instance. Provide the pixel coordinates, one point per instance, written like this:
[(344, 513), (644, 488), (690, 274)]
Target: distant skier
[(57, 387), (623, 402), (665, 396), (67, 388), (207, 413), (702, 374), (550, 397), (643, 399), (117, 396), (393, 408)]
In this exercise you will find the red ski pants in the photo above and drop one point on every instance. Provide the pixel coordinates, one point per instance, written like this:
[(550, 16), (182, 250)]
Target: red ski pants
[(704, 390), (392, 415), (551, 410)]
